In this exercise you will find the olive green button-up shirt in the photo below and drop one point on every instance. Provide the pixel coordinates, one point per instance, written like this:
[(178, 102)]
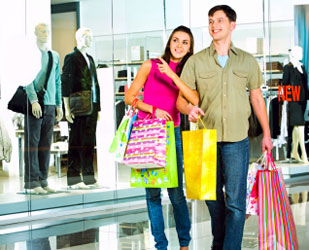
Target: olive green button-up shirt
[(223, 91)]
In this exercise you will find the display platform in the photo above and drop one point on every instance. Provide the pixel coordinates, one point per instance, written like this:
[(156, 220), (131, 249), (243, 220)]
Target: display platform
[(22, 204), (293, 169)]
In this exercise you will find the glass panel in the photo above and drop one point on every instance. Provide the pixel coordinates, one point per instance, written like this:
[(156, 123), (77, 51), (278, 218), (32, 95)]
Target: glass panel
[(137, 16), (125, 34), (20, 62), (103, 52), (134, 42)]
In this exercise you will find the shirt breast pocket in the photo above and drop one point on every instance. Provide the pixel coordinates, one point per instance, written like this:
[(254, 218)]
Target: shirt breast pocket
[(240, 78), (207, 80)]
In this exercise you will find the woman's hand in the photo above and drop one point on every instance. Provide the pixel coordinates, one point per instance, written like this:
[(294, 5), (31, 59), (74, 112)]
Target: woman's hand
[(163, 115), (165, 68)]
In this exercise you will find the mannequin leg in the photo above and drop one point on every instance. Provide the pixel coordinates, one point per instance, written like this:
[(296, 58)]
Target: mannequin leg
[(301, 136), (74, 158), (31, 160), (295, 142), (88, 143), (46, 136)]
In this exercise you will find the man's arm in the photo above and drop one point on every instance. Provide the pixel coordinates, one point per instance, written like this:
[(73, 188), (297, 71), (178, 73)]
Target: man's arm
[(259, 108), (186, 108)]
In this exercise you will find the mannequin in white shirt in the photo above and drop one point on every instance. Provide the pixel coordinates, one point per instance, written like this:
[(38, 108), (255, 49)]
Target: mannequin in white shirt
[(84, 41), (298, 134)]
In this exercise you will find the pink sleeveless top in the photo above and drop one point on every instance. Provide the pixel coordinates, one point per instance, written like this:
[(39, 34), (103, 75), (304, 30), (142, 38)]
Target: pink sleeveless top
[(161, 92)]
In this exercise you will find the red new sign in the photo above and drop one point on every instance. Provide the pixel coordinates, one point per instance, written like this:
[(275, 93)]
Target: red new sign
[(288, 93)]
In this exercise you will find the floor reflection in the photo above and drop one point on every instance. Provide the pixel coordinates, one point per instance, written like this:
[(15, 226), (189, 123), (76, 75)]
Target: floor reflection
[(131, 229)]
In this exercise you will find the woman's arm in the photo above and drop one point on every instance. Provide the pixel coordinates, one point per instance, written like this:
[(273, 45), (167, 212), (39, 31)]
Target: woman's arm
[(186, 91), (137, 84)]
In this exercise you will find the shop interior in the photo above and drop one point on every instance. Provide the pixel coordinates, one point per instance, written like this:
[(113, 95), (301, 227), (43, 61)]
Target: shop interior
[(125, 34)]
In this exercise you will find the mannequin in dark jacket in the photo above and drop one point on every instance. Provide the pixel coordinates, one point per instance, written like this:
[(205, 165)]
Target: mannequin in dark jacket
[(79, 73), (294, 74)]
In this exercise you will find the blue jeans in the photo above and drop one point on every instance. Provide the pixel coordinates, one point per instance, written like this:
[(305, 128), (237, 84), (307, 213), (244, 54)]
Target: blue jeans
[(228, 215), (178, 200)]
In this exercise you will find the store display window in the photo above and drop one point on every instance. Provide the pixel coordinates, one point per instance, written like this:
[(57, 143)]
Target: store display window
[(98, 46)]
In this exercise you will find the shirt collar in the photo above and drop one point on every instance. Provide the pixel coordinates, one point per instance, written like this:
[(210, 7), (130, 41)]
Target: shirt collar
[(213, 49)]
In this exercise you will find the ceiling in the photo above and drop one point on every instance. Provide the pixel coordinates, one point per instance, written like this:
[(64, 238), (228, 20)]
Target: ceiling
[(63, 1)]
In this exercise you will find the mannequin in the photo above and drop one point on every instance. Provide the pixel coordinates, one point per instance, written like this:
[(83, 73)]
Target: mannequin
[(39, 127), (295, 74), (79, 73)]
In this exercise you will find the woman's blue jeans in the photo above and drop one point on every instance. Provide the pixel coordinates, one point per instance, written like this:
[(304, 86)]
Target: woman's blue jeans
[(178, 200), (228, 215)]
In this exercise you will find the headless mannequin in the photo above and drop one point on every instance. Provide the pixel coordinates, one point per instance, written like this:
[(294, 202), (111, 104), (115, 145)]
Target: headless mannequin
[(298, 134), (42, 34), (84, 42)]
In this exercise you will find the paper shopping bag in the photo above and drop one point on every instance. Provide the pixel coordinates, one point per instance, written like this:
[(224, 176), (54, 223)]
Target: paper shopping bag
[(252, 187), (121, 138), (276, 225), (147, 144), (252, 194), (200, 163), (159, 177)]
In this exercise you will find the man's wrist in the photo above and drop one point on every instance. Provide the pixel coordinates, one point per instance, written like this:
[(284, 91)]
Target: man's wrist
[(189, 108)]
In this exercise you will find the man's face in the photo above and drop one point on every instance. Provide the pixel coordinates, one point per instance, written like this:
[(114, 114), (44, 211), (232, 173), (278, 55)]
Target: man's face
[(220, 27)]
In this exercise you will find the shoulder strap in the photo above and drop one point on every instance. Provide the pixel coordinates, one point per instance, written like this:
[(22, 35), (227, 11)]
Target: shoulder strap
[(50, 65)]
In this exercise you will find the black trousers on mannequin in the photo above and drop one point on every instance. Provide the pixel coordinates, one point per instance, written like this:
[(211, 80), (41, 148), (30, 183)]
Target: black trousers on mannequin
[(296, 111), (38, 139), (81, 148)]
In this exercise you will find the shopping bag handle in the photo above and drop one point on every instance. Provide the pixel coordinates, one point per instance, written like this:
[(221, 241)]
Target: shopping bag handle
[(151, 116), (269, 160), (262, 158), (200, 120), (133, 106)]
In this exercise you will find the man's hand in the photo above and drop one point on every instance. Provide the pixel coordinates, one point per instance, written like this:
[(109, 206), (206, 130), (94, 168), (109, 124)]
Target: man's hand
[(59, 114), (36, 110), (267, 144), (194, 113)]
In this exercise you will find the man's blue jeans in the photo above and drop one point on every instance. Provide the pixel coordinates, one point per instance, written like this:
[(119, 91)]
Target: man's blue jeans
[(228, 215), (178, 200)]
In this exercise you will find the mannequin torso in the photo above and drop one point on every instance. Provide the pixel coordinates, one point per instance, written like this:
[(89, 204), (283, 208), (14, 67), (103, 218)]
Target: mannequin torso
[(295, 74)]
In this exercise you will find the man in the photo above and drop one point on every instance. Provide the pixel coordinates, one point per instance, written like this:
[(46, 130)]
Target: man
[(221, 75)]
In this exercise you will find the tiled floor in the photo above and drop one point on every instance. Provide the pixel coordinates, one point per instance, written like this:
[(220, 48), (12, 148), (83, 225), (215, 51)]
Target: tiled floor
[(130, 229)]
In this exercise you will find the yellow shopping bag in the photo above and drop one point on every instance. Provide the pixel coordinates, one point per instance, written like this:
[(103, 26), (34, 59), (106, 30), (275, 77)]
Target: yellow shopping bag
[(200, 163)]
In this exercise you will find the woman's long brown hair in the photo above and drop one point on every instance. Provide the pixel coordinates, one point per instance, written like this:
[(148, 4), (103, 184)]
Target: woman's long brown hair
[(167, 52)]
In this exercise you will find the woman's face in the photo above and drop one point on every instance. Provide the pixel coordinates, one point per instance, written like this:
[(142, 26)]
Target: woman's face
[(179, 45)]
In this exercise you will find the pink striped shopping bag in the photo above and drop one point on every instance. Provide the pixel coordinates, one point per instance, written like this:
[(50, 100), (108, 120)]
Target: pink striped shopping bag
[(276, 225), (147, 144)]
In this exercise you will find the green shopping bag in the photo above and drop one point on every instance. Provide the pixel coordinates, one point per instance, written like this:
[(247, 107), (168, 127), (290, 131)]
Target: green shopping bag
[(121, 138), (166, 177)]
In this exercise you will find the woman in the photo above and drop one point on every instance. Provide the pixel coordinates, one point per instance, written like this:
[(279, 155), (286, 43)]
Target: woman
[(161, 83)]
